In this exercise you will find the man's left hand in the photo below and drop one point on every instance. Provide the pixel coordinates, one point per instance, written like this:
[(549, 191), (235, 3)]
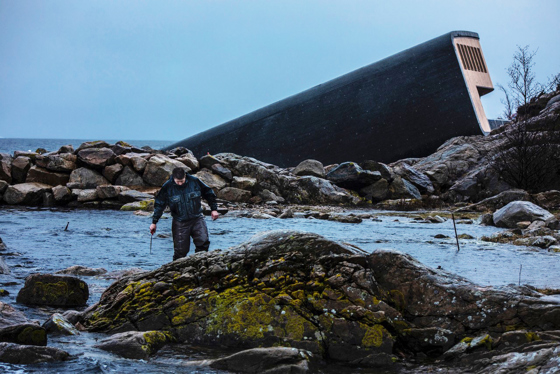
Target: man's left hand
[(215, 215)]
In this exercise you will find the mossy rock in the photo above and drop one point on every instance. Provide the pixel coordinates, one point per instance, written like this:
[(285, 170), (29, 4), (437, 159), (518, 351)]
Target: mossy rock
[(28, 334), (144, 205), (53, 290)]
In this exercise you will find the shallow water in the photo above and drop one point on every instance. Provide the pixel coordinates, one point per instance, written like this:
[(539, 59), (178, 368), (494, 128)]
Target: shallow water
[(117, 240)]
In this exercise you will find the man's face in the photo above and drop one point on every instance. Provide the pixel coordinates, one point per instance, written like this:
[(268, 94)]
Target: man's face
[(180, 182)]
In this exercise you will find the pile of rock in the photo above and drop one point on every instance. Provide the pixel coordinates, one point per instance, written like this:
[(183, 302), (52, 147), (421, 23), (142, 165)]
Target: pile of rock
[(101, 175), (528, 224)]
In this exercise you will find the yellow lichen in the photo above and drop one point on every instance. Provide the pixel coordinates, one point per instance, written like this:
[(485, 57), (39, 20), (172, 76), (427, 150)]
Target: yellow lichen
[(373, 336), (532, 336)]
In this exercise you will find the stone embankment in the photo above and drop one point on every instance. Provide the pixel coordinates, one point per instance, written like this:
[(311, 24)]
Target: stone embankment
[(329, 301)]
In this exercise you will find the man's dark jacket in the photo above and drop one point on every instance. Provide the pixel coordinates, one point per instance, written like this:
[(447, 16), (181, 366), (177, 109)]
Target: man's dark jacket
[(183, 201)]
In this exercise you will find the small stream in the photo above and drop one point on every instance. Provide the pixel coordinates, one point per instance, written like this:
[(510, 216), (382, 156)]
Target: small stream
[(114, 240)]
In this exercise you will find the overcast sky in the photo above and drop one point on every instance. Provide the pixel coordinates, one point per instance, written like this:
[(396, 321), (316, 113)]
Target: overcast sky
[(108, 69)]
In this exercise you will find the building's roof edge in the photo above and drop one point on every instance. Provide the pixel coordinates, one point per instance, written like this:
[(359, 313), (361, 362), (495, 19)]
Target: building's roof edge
[(463, 33)]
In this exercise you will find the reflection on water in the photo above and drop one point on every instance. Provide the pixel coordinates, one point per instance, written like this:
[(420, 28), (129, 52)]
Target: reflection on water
[(114, 240)]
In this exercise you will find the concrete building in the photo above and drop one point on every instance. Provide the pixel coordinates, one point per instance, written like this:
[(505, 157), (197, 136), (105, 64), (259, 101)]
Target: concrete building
[(405, 105)]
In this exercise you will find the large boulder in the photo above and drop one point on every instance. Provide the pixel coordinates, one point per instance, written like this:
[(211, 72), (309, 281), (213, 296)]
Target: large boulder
[(20, 166), (138, 163), (53, 290), (135, 344), (212, 180), (189, 160), (244, 183), (313, 190), (402, 189), (518, 211), (208, 160), (6, 167), (310, 167), (40, 175), (385, 171), (87, 195), (234, 194), (63, 162), (3, 186), (96, 158), (351, 175), (291, 306), (418, 179), (129, 196), (130, 178), (26, 193), (268, 176), (111, 172), (110, 191), (159, 169), (93, 144), (376, 192), (86, 178), (62, 194), (27, 333), (222, 171), (29, 354)]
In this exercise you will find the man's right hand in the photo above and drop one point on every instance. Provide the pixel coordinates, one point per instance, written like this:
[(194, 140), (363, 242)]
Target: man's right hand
[(153, 228)]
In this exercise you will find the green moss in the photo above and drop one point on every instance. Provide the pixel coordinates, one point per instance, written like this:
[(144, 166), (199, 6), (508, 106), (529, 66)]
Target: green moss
[(32, 336), (467, 340), (51, 292)]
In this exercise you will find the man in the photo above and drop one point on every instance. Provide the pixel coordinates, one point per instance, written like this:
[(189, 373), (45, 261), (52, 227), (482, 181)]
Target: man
[(183, 193)]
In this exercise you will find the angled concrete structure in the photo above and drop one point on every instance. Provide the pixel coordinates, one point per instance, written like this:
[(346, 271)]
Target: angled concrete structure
[(403, 106)]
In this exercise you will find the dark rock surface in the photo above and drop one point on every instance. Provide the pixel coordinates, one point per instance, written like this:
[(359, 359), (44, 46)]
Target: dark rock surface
[(30, 354), (287, 288), (265, 361), (135, 344), (351, 175), (26, 193), (96, 158), (20, 166), (53, 290), (128, 177), (27, 333), (40, 175), (86, 178)]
